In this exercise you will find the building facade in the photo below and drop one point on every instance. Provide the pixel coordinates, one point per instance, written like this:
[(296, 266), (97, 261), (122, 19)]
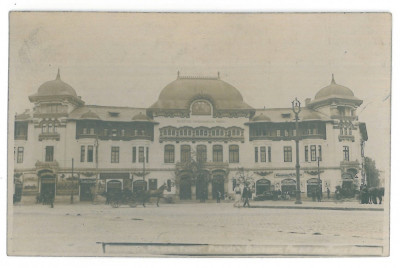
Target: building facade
[(197, 138)]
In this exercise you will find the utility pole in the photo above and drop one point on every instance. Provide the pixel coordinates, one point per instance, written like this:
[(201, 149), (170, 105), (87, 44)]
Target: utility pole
[(296, 111), (72, 183)]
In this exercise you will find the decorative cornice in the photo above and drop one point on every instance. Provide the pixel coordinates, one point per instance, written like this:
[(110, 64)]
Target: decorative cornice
[(263, 173)]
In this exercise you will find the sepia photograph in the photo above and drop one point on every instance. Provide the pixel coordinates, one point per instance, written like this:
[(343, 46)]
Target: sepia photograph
[(199, 134)]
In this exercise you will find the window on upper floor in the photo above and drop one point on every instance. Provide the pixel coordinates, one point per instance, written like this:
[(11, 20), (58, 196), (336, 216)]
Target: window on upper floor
[(141, 154), (133, 154), (233, 153), (201, 153), (217, 153), (320, 152), (313, 151), (90, 153), (346, 153), (169, 153), (269, 154), (82, 153), (185, 153), (114, 154), (287, 154), (256, 154), (49, 157), (306, 153), (20, 155), (263, 154)]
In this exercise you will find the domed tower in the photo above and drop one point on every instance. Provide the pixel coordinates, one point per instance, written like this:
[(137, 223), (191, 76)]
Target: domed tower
[(336, 101), (55, 97)]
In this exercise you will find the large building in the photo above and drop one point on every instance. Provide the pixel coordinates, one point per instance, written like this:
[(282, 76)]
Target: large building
[(198, 138)]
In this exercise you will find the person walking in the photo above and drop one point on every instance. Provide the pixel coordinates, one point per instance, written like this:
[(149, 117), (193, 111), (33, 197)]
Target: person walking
[(246, 195), (328, 192), (237, 196), (218, 197)]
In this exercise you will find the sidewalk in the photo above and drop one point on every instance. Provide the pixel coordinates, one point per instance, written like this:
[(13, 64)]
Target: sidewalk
[(323, 205)]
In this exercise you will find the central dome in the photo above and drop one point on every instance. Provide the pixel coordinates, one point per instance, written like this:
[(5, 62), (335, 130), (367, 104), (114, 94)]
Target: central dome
[(180, 93)]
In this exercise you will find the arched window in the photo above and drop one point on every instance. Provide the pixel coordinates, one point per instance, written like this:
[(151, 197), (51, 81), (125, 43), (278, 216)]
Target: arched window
[(201, 153), (169, 154), (234, 153), (201, 107), (185, 153), (217, 153), (44, 128), (50, 128)]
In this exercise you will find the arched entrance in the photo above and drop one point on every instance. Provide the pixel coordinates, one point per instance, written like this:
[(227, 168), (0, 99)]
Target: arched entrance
[(289, 186), (348, 186), (218, 184), (139, 186), (185, 188), (312, 186), (262, 186), (201, 187), (114, 187)]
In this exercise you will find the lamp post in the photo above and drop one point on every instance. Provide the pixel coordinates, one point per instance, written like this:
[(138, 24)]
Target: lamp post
[(296, 110)]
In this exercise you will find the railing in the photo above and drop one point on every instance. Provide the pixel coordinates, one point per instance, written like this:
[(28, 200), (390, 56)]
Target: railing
[(49, 136), (21, 137), (346, 138)]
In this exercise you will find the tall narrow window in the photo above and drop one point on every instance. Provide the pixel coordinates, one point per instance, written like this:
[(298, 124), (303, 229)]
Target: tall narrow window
[(278, 132), (287, 154), (313, 151), (82, 153), (233, 153), (20, 155), (320, 152), (346, 153), (147, 154), (256, 154), (133, 154), (217, 153), (263, 154), (169, 154), (90, 153), (141, 154), (44, 128), (50, 128), (306, 153), (49, 154), (185, 153), (114, 154), (201, 153), (269, 154)]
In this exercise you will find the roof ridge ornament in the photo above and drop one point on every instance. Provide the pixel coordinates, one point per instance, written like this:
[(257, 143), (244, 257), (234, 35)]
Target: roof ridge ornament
[(58, 74), (333, 79)]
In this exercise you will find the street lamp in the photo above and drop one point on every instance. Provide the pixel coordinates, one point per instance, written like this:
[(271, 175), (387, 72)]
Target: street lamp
[(296, 110)]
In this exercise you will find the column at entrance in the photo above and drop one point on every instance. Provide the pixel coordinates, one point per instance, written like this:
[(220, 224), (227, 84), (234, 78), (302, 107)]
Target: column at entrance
[(209, 186)]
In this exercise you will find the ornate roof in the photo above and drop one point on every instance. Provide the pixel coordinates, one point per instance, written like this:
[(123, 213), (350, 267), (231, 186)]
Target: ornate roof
[(180, 93), (56, 87), (334, 90)]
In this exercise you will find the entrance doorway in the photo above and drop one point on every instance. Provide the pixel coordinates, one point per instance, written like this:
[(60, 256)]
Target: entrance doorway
[(114, 187), (217, 185), (86, 192), (262, 186), (348, 188), (289, 186), (201, 187), (185, 189), (48, 188), (312, 187)]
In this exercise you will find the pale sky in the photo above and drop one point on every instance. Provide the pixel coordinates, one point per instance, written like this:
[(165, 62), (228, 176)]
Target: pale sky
[(125, 59)]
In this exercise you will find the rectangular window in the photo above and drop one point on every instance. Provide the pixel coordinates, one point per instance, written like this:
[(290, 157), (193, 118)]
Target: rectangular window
[(269, 154), (233, 154), (84, 130), (20, 155), (256, 154), (141, 154), (263, 154), (169, 154), (114, 154), (152, 184), (320, 152), (313, 151), (185, 153), (91, 131), (217, 153), (286, 133), (346, 153), (201, 153), (278, 132), (306, 153), (82, 153), (133, 154), (49, 154), (287, 154), (147, 154), (90, 153)]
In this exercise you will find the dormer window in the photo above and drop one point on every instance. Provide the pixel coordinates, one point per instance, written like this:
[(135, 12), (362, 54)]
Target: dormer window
[(114, 132), (113, 114), (84, 130)]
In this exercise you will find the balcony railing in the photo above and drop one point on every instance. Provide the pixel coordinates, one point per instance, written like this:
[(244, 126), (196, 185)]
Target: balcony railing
[(346, 138), (49, 136), (21, 137)]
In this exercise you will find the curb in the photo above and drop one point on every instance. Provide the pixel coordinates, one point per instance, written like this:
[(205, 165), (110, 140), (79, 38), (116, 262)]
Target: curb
[(321, 208)]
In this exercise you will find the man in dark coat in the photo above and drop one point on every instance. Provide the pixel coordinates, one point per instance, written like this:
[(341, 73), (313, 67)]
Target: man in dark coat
[(246, 195)]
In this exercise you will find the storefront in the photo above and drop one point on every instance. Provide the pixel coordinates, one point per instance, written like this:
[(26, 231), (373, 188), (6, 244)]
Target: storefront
[(289, 186), (262, 186), (87, 189), (313, 185)]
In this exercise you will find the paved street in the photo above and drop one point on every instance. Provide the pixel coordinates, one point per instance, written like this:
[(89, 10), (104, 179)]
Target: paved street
[(75, 229)]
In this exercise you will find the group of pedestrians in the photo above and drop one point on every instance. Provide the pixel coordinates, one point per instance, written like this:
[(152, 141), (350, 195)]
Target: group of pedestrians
[(244, 195)]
